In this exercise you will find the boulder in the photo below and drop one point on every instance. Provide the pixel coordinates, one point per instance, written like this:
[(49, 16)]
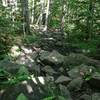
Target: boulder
[(49, 70), (53, 58), (75, 84), (80, 71), (63, 80), (77, 59), (65, 92), (74, 73), (13, 67), (96, 96), (9, 66)]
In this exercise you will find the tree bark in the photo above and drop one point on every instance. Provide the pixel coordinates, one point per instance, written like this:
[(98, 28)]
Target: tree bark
[(90, 20), (25, 14)]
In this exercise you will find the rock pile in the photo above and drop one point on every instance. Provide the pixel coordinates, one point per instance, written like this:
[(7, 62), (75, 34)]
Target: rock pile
[(75, 76)]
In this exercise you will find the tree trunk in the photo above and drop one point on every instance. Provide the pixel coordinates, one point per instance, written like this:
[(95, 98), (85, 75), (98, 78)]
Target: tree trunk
[(90, 20), (32, 12), (47, 14), (25, 14)]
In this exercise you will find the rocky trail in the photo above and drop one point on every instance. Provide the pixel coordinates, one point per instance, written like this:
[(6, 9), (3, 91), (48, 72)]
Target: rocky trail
[(53, 67)]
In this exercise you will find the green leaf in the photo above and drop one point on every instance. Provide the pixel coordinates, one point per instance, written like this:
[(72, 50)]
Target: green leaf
[(49, 98), (21, 97), (23, 71), (61, 98)]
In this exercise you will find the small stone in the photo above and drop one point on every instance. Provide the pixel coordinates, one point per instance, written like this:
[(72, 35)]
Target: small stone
[(63, 80), (49, 70), (74, 73)]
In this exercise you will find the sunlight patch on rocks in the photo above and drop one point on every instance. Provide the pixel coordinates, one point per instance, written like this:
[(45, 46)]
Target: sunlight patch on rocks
[(40, 79), (54, 58), (29, 88)]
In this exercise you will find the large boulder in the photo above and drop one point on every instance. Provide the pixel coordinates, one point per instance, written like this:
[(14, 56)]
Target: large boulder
[(53, 58)]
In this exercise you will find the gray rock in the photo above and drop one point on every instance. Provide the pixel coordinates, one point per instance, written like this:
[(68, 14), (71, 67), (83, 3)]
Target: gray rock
[(49, 70), (63, 80), (33, 89), (9, 66), (26, 87), (77, 59), (74, 73), (87, 69), (75, 84), (96, 96), (33, 67), (61, 69), (13, 67), (65, 92), (52, 58), (85, 97), (43, 54), (80, 71)]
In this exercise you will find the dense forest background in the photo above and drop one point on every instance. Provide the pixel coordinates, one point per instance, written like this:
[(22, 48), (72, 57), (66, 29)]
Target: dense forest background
[(56, 41)]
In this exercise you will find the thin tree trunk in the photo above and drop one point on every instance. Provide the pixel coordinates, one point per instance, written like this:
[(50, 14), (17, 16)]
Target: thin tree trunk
[(32, 17), (62, 17), (90, 20), (47, 14)]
